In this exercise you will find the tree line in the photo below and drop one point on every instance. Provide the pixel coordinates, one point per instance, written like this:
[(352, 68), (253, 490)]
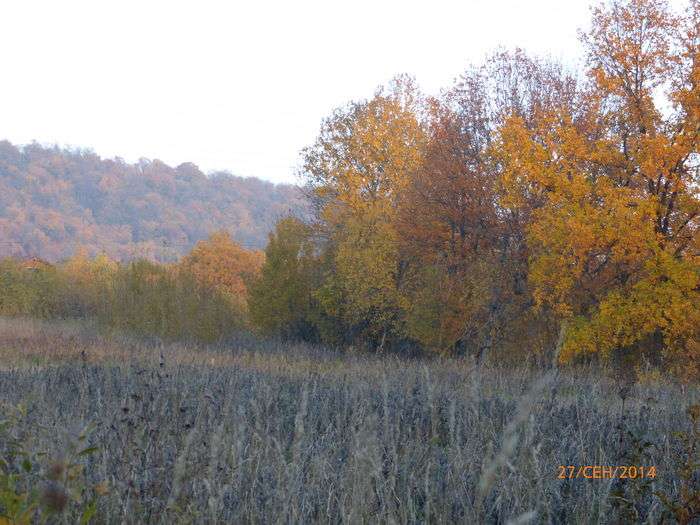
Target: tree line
[(530, 209), (54, 200)]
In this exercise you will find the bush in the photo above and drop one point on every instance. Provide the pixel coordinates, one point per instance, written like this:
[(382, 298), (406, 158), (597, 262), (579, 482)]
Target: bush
[(143, 298), (153, 300)]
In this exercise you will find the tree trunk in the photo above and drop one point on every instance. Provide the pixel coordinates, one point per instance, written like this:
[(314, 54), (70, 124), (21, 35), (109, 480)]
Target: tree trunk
[(560, 342)]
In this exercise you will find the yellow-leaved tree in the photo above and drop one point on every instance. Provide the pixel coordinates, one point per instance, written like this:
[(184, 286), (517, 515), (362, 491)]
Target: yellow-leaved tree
[(357, 169), (611, 187), (87, 283)]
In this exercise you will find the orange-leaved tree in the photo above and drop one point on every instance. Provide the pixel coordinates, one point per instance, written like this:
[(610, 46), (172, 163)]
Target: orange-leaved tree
[(222, 264), (467, 254), (612, 185)]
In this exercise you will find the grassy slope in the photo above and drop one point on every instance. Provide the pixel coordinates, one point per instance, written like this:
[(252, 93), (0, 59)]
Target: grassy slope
[(270, 433)]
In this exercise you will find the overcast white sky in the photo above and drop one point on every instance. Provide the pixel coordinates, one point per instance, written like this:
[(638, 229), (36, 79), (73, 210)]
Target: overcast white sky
[(239, 86)]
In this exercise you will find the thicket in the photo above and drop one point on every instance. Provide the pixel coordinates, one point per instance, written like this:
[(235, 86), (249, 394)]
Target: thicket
[(188, 300), (528, 208)]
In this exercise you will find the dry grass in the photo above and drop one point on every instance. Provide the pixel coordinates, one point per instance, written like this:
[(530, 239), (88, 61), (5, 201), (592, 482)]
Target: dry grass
[(256, 432)]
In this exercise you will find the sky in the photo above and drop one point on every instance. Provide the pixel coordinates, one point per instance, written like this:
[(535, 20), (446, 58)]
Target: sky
[(240, 86)]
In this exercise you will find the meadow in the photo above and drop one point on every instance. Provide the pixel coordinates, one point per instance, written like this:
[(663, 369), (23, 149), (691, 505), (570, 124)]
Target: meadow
[(480, 305), (118, 430)]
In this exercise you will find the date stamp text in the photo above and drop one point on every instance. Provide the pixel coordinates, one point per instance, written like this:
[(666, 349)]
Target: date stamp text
[(606, 472)]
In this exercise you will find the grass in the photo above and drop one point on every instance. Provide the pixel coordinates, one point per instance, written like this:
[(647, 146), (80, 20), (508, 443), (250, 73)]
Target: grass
[(263, 432)]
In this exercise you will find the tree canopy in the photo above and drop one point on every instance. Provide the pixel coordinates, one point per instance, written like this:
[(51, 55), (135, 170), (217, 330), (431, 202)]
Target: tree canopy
[(528, 208)]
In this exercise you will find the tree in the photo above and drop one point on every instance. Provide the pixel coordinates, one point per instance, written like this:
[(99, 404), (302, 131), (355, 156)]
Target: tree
[(281, 299), (86, 282), (611, 188), (156, 300), (356, 172), (224, 265), (447, 225), (468, 255)]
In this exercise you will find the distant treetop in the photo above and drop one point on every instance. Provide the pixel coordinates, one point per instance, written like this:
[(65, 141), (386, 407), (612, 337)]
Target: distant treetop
[(54, 200)]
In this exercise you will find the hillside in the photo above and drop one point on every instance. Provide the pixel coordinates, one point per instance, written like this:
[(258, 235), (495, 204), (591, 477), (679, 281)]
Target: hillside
[(54, 200)]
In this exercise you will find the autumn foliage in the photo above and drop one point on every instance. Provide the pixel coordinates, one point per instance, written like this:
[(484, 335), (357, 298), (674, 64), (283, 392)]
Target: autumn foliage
[(528, 212), (223, 265), (201, 298), (529, 209), (54, 201), (612, 187)]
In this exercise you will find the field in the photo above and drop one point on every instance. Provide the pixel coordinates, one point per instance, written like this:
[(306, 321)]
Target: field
[(262, 432)]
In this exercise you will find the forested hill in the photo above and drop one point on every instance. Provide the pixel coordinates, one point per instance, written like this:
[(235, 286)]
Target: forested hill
[(53, 201)]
